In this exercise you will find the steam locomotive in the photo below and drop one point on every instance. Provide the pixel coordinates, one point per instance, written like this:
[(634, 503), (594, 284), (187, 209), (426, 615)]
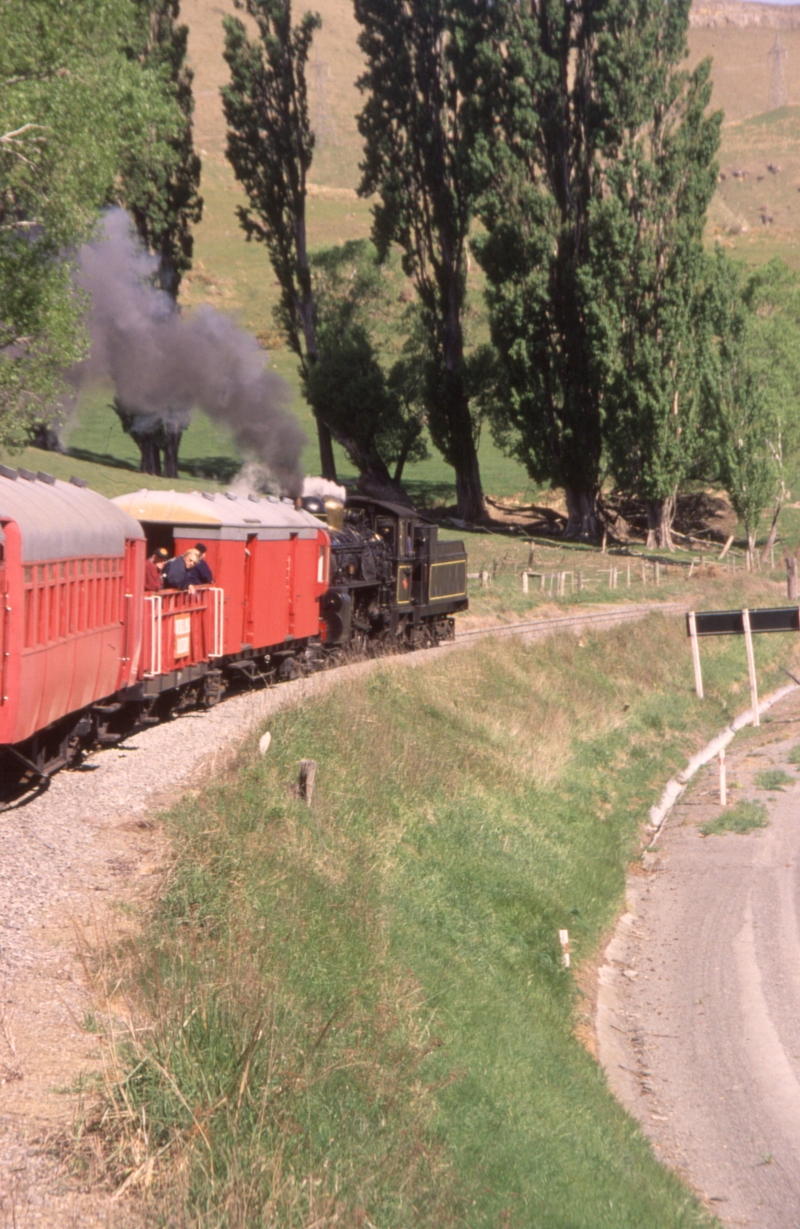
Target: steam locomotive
[(89, 656)]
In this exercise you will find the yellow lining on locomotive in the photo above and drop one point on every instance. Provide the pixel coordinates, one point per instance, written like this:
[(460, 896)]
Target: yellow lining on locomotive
[(403, 572), (448, 563)]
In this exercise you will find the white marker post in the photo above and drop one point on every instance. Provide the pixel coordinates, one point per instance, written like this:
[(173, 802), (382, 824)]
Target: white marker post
[(563, 938), (723, 779), (524, 582), (698, 673), (751, 665)]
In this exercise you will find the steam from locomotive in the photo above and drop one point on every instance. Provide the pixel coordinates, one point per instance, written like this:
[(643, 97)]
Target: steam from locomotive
[(163, 364)]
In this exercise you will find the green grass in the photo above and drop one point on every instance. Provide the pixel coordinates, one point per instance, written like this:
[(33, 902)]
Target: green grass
[(744, 816), (794, 755), (773, 779), (360, 1004)]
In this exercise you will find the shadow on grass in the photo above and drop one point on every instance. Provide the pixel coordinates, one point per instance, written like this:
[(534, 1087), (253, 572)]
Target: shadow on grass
[(216, 469), (102, 458)]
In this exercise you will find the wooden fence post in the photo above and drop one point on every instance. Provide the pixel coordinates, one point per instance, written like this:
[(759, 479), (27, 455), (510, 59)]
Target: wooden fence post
[(698, 673), (305, 779), (751, 665), (723, 780)]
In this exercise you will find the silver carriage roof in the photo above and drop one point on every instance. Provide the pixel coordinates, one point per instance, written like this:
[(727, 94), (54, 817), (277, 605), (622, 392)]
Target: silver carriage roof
[(220, 515), (62, 520)]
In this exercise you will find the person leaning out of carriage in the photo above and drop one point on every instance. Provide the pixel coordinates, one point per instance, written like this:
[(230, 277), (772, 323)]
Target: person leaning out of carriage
[(153, 569)]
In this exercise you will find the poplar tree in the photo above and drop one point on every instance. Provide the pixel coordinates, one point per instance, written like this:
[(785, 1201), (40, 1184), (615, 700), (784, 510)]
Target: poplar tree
[(418, 158), (752, 389), (648, 238), (598, 160), (162, 193), (270, 147)]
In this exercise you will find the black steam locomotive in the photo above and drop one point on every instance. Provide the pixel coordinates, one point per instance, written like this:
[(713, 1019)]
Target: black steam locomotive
[(392, 582)]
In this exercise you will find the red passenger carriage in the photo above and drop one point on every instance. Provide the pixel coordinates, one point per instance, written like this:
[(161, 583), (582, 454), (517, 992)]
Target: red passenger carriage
[(71, 578)]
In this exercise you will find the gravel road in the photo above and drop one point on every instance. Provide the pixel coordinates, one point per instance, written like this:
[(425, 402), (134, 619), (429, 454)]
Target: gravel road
[(71, 862), (699, 1008)]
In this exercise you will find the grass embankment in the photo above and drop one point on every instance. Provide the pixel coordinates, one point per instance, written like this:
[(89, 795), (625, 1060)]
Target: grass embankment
[(355, 1013)]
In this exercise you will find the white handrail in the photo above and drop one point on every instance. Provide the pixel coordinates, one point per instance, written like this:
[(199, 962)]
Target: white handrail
[(155, 636), (219, 625)]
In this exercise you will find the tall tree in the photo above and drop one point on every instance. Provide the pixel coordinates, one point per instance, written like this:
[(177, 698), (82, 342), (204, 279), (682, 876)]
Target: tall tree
[(162, 195), (647, 240), (270, 147), (418, 159), (752, 388), (70, 103), (585, 193)]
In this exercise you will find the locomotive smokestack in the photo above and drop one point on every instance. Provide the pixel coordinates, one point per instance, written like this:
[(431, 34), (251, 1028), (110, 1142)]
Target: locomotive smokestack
[(163, 364)]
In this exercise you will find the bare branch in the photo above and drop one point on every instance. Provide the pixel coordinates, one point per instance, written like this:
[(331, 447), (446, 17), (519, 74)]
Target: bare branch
[(10, 137)]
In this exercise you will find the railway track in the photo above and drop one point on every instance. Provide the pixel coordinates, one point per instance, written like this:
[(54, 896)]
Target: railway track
[(14, 791), (595, 618)]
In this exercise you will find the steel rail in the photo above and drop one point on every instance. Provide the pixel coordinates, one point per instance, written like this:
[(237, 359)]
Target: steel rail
[(613, 615)]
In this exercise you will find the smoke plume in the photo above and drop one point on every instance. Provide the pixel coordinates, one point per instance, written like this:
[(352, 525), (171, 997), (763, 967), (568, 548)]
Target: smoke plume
[(163, 365), (322, 487)]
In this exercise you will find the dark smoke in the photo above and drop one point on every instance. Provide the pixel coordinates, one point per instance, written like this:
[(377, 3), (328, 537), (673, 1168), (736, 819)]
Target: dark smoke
[(164, 365)]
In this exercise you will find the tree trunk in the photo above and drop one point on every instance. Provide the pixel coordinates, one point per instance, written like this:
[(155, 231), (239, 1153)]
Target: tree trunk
[(773, 531), (374, 478), (791, 577), (380, 486), (469, 490), (172, 443), (326, 458), (150, 453), (44, 435), (408, 443), (660, 515), (582, 520), (751, 550)]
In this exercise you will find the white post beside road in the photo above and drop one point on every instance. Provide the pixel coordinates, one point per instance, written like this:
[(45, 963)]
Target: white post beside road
[(698, 673), (723, 779), (751, 665), (563, 938), (524, 582)]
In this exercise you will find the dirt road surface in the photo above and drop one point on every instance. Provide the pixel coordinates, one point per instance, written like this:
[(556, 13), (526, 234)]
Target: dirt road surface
[(699, 1005)]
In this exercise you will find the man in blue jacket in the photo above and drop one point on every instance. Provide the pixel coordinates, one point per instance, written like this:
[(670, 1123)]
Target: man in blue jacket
[(200, 573)]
